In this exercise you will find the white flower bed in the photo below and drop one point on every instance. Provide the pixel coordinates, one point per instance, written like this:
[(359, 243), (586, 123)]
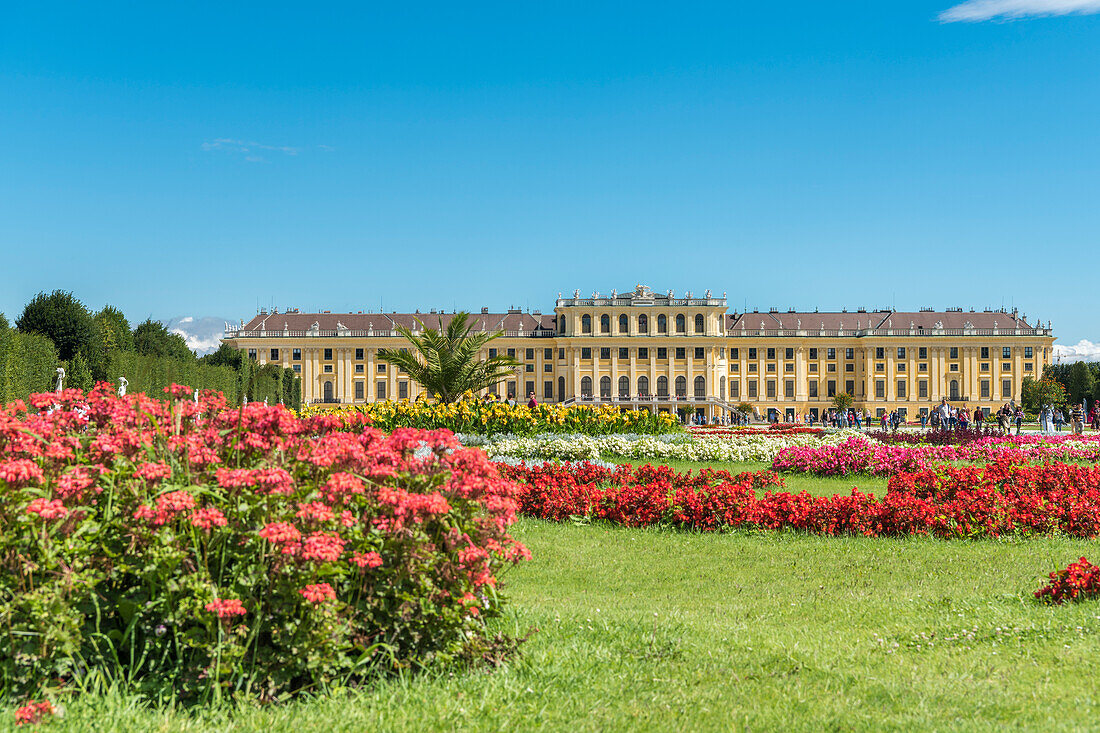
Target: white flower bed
[(648, 447)]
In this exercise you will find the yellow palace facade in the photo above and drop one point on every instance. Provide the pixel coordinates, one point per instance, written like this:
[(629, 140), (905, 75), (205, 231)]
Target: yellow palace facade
[(656, 351)]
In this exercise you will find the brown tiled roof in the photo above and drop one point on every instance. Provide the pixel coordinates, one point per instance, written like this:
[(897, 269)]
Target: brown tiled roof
[(386, 321), (875, 320)]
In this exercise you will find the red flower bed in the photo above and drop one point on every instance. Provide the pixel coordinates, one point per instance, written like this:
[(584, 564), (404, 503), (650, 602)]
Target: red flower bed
[(1078, 582), (710, 500), (196, 548)]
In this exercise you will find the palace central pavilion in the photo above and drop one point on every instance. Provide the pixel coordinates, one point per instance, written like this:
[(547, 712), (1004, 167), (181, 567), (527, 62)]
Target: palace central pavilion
[(654, 351)]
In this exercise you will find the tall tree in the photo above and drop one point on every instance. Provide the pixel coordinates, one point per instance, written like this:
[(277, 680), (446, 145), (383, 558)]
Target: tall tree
[(1045, 391), (111, 332), (80, 375), (447, 361), (1080, 382), (62, 318), (152, 338)]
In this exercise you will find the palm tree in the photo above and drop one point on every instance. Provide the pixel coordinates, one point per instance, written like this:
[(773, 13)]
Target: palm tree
[(447, 362)]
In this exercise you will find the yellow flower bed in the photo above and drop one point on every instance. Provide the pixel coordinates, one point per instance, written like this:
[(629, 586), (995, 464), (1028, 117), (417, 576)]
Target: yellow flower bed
[(474, 416)]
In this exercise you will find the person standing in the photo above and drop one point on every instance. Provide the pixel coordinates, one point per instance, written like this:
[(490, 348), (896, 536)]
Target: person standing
[(1078, 419), (1059, 418), (1019, 420), (532, 402)]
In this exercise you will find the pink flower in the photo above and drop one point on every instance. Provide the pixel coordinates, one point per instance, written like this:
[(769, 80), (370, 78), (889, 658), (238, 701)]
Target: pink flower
[(208, 518), (48, 509), (366, 559), (318, 593), (280, 532), (322, 546), (226, 607)]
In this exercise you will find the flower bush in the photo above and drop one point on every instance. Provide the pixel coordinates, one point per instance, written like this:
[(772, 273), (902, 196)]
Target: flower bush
[(200, 550), (714, 500), (1079, 581), (682, 446), (475, 416)]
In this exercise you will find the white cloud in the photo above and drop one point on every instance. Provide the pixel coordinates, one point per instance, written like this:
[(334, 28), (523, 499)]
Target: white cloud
[(249, 149), (1084, 350), (978, 10), (203, 335)]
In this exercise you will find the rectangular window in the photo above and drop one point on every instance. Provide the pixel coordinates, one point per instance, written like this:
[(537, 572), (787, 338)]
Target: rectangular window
[(735, 388), (880, 389), (1006, 352), (586, 352), (880, 368), (298, 368), (752, 367), (831, 387), (681, 352), (643, 353), (547, 353), (548, 367), (528, 368), (662, 352), (922, 389), (1028, 352), (922, 367), (511, 388), (771, 353), (752, 389), (985, 352), (381, 367), (880, 352), (512, 353), (402, 390), (788, 388), (359, 355), (1006, 389), (922, 353), (529, 388), (328, 368), (849, 353), (1006, 366), (985, 389), (849, 367), (296, 354), (624, 353), (953, 367), (274, 355), (380, 391), (788, 368), (901, 389), (813, 388), (789, 353), (813, 353), (252, 354), (359, 368), (529, 354), (492, 353), (328, 354), (813, 367), (900, 366), (605, 353), (771, 389), (901, 352), (548, 390), (735, 367), (699, 353), (954, 352), (831, 354), (735, 353), (771, 368), (359, 390), (985, 366), (752, 354), (850, 387), (561, 353)]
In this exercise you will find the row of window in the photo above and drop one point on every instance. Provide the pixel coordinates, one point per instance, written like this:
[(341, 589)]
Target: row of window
[(901, 392), (699, 387), (642, 323)]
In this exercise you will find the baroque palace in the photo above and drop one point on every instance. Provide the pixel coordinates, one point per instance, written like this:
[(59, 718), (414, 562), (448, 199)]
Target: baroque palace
[(647, 350)]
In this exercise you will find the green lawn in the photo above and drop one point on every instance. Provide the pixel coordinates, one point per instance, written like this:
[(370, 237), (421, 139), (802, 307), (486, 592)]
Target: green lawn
[(660, 630), (816, 485)]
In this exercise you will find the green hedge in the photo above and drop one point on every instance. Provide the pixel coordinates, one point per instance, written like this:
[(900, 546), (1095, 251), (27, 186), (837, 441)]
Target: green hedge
[(28, 363), (151, 374)]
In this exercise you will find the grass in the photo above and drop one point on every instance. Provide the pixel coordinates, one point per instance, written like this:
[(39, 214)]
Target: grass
[(658, 630), (795, 482)]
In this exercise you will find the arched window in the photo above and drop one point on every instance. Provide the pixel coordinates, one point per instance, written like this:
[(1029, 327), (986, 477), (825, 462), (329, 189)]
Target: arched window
[(662, 323), (700, 387), (643, 323), (699, 326), (586, 386), (681, 386), (681, 323), (561, 389), (662, 386), (643, 386), (624, 386), (561, 325), (605, 386), (328, 392), (605, 323), (954, 389), (624, 323), (586, 323)]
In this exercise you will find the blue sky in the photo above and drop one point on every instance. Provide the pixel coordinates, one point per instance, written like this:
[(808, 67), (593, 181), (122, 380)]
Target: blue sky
[(202, 159)]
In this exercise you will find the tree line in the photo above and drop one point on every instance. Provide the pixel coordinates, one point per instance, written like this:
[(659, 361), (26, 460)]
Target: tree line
[(57, 330)]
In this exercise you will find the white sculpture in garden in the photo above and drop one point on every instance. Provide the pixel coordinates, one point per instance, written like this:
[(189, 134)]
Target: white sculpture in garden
[(122, 382), (60, 379)]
